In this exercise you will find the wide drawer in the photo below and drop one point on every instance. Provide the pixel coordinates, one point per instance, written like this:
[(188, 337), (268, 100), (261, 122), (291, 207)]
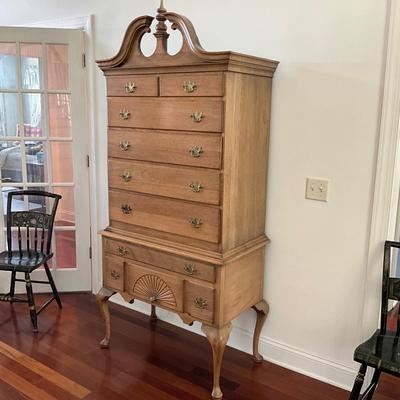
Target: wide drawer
[(113, 273), (196, 184), (132, 85), (188, 114), (191, 84), (154, 287), (199, 301), (185, 266), (173, 216), (199, 150)]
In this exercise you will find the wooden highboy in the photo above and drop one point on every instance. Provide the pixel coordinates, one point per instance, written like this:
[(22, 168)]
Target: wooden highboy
[(187, 168)]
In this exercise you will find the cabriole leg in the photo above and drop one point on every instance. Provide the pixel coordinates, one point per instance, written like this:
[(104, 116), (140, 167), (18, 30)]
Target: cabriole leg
[(218, 337), (262, 309), (102, 300)]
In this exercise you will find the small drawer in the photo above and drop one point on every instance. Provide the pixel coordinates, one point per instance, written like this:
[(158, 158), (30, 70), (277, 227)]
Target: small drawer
[(191, 85), (195, 184), (197, 221), (199, 301), (132, 85), (184, 266), (198, 150), (154, 287), (113, 273), (186, 114)]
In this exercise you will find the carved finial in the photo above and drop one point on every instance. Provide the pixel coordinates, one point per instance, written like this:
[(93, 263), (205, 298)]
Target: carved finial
[(161, 29)]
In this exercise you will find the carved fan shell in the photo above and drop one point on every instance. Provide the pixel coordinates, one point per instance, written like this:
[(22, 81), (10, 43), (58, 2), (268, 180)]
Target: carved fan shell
[(154, 288)]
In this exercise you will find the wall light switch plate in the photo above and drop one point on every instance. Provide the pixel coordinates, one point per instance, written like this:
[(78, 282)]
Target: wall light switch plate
[(317, 189)]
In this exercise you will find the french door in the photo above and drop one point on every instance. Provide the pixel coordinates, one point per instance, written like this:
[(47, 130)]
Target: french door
[(44, 140)]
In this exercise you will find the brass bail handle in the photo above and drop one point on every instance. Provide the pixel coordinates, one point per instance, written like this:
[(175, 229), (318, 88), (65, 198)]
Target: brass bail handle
[(126, 208), (195, 222), (124, 145), (190, 269), (130, 87), (124, 114), (189, 86), (196, 187), (196, 151), (126, 176), (197, 116)]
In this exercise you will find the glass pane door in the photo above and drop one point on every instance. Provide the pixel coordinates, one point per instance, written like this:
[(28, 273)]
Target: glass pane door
[(41, 140)]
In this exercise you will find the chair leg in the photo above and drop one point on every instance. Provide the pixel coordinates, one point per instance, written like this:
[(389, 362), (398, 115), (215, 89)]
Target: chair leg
[(31, 301), (358, 383), (375, 380), (12, 284), (53, 285)]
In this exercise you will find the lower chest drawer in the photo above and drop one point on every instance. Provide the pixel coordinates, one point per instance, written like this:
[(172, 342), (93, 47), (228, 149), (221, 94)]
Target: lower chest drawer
[(171, 262), (173, 216)]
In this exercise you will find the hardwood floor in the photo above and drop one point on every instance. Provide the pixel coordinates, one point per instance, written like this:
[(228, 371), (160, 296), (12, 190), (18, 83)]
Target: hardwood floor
[(145, 361)]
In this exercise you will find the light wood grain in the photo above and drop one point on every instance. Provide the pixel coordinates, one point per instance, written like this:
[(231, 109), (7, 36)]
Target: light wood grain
[(195, 292), (185, 266), (159, 113), (134, 272), (243, 284), (145, 85), (163, 147), (113, 273), (164, 180), (205, 84), (166, 215), (246, 140)]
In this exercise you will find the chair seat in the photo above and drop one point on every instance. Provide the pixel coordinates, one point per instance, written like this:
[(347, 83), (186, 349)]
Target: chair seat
[(381, 351), (23, 261)]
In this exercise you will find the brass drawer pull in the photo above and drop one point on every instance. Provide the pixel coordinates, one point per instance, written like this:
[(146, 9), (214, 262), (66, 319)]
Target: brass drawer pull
[(115, 275), (124, 114), (190, 269), (201, 303), (197, 116), (124, 145), (196, 151), (126, 176), (153, 298), (196, 187), (189, 86), (122, 251), (195, 222), (130, 87), (126, 208)]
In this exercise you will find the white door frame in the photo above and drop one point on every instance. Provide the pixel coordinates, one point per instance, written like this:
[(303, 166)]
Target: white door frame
[(387, 178), (86, 23)]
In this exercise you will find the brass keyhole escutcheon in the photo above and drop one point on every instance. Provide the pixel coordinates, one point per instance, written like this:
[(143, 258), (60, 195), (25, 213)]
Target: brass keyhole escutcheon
[(126, 176), (196, 187), (195, 222), (189, 86), (130, 87), (196, 151), (197, 116), (124, 114), (124, 145), (126, 208)]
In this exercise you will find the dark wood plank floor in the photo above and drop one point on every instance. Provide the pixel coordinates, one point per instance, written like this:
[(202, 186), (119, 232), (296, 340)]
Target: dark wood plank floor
[(145, 362)]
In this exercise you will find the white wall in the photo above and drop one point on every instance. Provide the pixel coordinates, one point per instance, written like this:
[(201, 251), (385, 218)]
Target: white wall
[(326, 101)]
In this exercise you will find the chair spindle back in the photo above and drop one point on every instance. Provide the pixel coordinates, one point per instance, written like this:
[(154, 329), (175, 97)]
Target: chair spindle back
[(32, 223)]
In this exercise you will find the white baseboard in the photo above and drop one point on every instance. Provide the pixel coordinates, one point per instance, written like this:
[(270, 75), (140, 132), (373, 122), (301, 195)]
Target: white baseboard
[(273, 351)]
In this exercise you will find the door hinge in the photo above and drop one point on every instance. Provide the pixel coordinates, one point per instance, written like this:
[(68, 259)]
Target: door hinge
[(88, 160), (83, 60), (90, 252)]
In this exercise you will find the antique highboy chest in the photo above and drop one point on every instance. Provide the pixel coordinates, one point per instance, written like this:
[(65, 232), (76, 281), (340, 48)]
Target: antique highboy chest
[(187, 164)]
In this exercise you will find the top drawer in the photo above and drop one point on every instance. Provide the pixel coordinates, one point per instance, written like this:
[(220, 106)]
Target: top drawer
[(132, 85), (191, 85)]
